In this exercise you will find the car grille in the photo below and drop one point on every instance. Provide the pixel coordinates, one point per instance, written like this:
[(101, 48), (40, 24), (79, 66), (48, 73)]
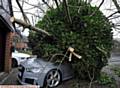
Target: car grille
[(29, 81), (22, 58), (21, 70)]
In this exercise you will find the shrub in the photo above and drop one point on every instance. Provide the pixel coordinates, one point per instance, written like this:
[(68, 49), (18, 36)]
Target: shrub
[(105, 79)]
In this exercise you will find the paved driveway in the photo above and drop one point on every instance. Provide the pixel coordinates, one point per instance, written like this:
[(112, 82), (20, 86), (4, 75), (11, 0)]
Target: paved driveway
[(11, 79)]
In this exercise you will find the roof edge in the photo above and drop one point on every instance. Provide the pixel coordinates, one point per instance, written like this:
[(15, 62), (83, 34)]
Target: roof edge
[(10, 27)]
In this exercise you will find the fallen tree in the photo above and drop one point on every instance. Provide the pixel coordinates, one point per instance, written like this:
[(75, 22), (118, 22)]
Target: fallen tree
[(75, 26)]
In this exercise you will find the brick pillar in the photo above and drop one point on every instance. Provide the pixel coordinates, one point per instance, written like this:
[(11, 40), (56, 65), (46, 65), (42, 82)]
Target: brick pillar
[(8, 54)]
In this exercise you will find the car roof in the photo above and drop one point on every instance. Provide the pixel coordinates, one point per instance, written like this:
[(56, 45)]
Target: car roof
[(17, 54)]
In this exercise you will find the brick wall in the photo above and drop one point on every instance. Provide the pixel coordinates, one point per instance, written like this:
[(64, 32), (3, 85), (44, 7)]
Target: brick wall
[(8, 59), (21, 45)]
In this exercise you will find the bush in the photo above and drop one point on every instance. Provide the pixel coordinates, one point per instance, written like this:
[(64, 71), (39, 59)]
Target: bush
[(90, 36), (116, 71), (105, 79)]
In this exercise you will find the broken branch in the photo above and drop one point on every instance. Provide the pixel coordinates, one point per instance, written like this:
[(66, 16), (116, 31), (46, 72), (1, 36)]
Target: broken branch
[(26, 25)]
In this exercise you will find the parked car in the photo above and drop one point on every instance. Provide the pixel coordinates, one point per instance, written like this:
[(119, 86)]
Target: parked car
[(44, 73), (17, 58)]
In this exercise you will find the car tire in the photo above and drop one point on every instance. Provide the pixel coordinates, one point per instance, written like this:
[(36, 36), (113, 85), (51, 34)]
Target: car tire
[(14, 63), (53, 78)]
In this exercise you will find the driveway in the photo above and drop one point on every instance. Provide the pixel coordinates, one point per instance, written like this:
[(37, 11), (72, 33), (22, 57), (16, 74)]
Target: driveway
[(11, 79)]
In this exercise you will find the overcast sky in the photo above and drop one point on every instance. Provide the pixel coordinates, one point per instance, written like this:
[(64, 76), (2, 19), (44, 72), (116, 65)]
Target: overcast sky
[(105, 8)]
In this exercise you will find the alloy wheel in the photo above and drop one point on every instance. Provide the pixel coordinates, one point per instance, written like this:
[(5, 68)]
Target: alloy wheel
[(53, 78)]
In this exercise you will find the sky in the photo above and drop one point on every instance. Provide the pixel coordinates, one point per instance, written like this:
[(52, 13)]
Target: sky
[(105, 8), (18, 14)]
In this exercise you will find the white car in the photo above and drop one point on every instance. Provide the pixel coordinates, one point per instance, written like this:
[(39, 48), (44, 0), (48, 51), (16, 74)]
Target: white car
[(17, 58)]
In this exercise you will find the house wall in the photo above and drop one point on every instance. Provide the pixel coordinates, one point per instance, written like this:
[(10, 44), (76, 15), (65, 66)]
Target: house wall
[(20, 42), (21, 45), (8, 53), (2, 50), (6, 27)]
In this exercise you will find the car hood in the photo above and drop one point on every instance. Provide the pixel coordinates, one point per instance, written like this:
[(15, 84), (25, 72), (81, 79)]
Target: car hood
[(33, 62), (16, 54)]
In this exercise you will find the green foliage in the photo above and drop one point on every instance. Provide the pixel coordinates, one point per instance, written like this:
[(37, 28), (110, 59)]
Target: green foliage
[(117, 71), (105, 79), (89, 35)]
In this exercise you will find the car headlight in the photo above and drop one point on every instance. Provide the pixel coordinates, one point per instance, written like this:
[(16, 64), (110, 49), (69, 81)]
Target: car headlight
[(33, 69)]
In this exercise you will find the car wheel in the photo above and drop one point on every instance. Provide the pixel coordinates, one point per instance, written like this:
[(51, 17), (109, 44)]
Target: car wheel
[(53, 78), (14, 63)]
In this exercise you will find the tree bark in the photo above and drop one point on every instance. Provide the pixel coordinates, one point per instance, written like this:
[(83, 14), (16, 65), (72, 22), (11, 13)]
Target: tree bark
[(67, 11), (26, 25)]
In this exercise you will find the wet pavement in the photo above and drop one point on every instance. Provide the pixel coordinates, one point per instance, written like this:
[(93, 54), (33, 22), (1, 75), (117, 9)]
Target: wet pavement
[(11, 79)]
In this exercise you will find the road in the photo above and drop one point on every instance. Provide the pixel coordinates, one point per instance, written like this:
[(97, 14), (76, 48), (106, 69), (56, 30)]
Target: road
[(114, 59)]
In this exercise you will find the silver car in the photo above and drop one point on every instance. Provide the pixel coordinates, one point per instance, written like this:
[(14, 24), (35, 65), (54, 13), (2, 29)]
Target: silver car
[(43, 73)]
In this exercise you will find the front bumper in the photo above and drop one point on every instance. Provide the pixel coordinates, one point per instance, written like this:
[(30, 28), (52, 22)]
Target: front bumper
[(23, 83), (29, 78)]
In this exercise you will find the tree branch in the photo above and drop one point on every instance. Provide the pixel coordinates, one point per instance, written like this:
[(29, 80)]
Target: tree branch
[(57, 5), (112, 14), (60, 1), (117, 5), (38, 7), (91, 78), (11, 10), (1, 7), (46, 4), (26, 25), (115, 17), (97, 8), (24, 15), (29, 13), (67, 11)]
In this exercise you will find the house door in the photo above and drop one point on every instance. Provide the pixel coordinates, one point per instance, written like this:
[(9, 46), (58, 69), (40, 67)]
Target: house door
[(2, 51)]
